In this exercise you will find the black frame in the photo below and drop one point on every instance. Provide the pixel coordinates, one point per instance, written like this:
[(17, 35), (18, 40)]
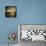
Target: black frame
[(7, 13)]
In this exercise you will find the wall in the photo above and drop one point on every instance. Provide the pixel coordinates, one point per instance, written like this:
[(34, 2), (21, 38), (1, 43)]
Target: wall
[(28, 12)]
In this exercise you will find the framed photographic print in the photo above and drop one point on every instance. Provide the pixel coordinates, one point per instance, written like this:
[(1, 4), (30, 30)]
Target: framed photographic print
[(10, 11)]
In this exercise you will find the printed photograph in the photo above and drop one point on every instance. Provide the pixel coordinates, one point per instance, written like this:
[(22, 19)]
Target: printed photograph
[(10, 11)]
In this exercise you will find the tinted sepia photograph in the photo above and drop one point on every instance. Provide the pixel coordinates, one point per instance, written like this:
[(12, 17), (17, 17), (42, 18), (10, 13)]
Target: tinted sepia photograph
[(10, 11)]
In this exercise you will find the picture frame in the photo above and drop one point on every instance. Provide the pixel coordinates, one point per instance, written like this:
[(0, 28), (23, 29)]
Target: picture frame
[(10, 11)]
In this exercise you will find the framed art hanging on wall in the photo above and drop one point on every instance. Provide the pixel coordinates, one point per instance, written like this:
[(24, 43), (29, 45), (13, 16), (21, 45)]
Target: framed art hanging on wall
[(10, 11)]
